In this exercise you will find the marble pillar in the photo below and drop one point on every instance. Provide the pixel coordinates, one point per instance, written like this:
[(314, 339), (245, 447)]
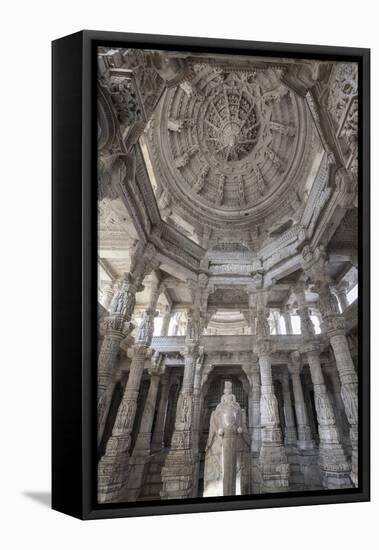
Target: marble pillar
[(255, 408), (179, 468), (305, 440), (290, 435), (332, 460), (116, 326), (197, 403), (252, 372), (141, 449), (157, 442), (113, 467), (349, 389), (272, 459), (340, 409)]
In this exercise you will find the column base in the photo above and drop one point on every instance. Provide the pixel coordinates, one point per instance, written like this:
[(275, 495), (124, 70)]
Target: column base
[(334, 467), (112, 476), (178, 474), (310, 468), (274, 468)]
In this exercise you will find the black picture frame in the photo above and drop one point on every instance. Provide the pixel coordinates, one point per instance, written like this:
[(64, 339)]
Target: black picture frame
[(74, 274)]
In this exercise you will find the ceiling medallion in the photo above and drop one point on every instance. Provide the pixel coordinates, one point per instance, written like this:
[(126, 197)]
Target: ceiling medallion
[(231, 124)]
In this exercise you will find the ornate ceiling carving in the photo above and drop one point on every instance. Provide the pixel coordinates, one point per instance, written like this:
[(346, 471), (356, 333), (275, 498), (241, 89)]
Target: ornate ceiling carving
[(228, 144), (239, 164)]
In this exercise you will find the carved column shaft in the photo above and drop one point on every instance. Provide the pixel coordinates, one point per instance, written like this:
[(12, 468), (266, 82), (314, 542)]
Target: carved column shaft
[(256, 411), (107, 359), (349, 393), (290, 437), (157, 442), (144, 435), (121, 310), (197, 404), (116, 327), (305, 440)]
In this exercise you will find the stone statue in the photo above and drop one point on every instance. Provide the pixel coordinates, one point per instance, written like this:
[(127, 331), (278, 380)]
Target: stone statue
[(225, 456), (146, 328)]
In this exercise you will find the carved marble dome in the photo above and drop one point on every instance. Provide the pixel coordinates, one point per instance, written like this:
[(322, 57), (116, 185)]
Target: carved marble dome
[(227, 145)]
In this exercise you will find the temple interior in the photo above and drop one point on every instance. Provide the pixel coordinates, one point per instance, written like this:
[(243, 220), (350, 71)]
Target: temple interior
[(227, 275)]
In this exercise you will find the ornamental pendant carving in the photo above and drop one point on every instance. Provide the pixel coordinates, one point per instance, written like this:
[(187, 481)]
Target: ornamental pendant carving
[(124, 301)]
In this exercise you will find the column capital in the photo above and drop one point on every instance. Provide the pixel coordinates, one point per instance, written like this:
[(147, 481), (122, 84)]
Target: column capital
[(123, 301), (314, 262), (144, 261), (264, 348), (311, 347), (327, 301), (156, 372), (118, 324), (190, 349), (142, 350), (335, 326)]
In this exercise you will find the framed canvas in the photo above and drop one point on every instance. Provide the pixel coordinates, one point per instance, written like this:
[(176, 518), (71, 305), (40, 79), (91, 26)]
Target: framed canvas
[(210, 275)]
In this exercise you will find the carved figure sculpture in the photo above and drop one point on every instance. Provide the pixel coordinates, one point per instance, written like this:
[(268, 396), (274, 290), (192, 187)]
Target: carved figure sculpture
[(225, 454)]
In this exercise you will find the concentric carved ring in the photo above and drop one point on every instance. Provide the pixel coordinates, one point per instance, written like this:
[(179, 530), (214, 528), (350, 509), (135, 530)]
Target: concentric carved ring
[(231, 125)]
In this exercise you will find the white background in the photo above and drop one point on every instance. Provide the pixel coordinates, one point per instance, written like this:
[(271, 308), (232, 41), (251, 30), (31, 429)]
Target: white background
[(26, 31)]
